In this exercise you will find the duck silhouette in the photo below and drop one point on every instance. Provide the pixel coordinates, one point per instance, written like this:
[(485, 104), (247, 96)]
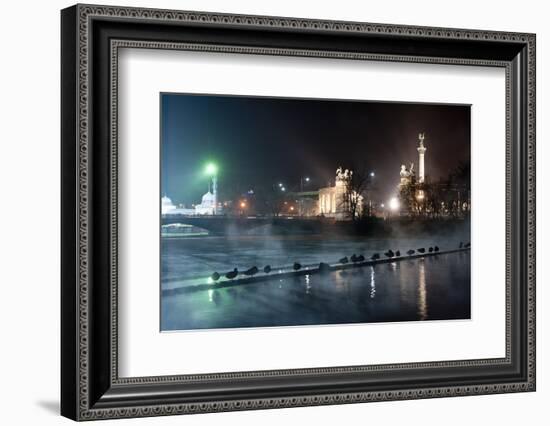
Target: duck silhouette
[(431, 249), (436, 248), (421, 250), (232, 274), (353, 258), (410, 252), (375, 256), (467, 245), (297, 266), (344, 260), (389, 253), (267, 269), (398, 253), (360, 258), (251, 272), (324, 267), (215, 276)]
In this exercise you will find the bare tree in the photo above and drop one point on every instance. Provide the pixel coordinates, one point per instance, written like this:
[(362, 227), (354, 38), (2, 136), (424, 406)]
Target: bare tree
[(444, 197), (407, 197), (356, 185)]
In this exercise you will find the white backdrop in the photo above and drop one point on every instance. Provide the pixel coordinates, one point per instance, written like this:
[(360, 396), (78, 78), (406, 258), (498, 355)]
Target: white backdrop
[(29, 225)]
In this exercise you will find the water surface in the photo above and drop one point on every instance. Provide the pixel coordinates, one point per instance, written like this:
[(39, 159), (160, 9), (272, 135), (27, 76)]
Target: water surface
[(431, 288)]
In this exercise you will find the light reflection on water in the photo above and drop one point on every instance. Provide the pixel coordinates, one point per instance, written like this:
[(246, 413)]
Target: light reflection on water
[(409, 290), (372, 283), (422, 299)]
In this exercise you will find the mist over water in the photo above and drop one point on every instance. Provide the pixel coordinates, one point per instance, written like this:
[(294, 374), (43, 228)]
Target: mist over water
[(406, 290)]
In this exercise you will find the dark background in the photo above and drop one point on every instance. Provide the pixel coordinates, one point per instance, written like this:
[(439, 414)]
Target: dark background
[(259, 142)]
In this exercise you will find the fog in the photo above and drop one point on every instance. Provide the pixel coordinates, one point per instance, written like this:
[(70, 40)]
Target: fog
[(405, 289), (189, 260)]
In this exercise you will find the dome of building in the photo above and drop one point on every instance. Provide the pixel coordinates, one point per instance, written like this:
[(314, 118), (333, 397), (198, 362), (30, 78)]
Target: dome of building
[(207, 199), (166, 205)]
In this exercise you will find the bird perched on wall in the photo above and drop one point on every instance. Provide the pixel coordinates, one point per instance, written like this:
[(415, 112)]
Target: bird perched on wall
[(431, 249), (389, 253), (398, 253), (232, 274), (375, 256), (215, 276), (267, 269), (360, 258), (344, 260), (436, 248), (410, 252), (251, 272), (467, 245), (297, 266), (421, 250)]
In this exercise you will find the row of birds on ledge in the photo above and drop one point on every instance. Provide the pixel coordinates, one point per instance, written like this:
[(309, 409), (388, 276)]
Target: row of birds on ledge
[(325, 267)]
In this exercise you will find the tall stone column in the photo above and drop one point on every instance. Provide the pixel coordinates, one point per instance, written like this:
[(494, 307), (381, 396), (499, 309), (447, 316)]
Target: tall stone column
[(421, 150)]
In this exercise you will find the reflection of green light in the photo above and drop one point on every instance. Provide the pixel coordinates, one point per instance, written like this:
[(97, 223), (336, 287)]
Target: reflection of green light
[(211, 169)]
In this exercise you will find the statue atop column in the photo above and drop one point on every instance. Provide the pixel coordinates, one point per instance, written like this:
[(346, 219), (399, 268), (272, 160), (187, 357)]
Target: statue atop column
[(342, 176), (406, 175)]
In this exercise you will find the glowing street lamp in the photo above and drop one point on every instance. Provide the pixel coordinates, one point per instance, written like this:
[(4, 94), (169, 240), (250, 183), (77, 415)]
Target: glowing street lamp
[(394, 204), (302, 180), (371, 174), (242, 205), (211, 169)]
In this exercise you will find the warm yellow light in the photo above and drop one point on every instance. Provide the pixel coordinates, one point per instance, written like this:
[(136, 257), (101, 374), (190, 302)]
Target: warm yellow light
[(394, 204), (243, 204)]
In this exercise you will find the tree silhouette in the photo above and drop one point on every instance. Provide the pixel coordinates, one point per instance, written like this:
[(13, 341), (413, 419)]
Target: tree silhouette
[(355, 188)]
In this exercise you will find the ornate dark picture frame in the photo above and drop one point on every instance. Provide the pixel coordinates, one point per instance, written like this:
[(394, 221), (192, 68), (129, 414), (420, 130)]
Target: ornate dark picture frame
[(90, 385)]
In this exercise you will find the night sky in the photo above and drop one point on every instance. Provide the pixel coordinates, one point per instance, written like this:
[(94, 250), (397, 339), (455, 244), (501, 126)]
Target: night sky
[(262, 141)]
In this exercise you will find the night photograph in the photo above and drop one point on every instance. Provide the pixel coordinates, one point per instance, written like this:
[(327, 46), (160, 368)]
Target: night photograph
[(306, 212)]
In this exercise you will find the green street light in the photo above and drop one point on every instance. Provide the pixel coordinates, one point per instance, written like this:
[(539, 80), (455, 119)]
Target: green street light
[(211, 169)]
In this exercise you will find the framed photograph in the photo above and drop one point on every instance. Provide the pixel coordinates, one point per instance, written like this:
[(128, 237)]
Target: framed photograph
[(263, 212)]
